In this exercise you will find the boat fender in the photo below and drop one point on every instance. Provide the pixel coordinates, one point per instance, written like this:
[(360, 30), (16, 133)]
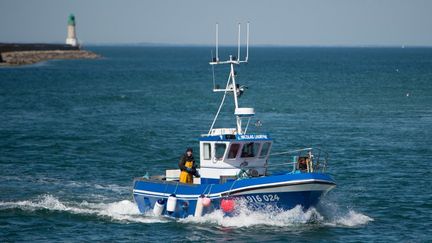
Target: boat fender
[(171, 203), (206, 201), (159, 207), (199, 206), (227, 205)]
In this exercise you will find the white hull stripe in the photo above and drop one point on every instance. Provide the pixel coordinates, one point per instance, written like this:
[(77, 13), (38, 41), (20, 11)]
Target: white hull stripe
[(292, 186), (296, 188)]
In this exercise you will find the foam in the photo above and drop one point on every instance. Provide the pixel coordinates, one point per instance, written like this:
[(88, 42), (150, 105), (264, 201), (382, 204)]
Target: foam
[(122, 211), (338, 216), (270, 216), (126, 211), (353, 219)]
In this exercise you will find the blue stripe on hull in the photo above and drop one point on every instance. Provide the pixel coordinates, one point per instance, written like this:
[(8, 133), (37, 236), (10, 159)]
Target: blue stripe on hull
[(282, 200)]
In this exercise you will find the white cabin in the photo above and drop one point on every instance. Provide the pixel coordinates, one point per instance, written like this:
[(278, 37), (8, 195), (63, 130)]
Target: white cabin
[(223, 156)]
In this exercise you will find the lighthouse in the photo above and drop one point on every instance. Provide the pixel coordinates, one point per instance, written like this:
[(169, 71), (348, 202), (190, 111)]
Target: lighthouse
[(71, 37)]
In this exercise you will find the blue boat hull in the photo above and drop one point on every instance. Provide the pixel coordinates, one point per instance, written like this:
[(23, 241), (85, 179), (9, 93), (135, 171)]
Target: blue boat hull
[(284, 191)]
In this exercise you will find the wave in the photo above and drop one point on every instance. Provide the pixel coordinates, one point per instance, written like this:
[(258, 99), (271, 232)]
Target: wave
[(270, 216), (351, 219), (122, 211), (67, 183), (126, 211)]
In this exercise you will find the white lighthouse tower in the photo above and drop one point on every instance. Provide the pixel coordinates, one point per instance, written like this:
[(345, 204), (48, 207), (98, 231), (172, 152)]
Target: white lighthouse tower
[(71, 37)]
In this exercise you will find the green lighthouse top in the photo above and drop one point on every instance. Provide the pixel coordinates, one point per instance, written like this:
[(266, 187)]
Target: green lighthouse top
[(71, 19)]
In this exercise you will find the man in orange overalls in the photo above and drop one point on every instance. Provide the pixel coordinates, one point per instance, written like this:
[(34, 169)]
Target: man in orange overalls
[(187, 167)]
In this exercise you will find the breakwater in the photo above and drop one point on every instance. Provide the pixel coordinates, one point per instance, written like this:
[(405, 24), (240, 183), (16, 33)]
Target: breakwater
[(23, 54)]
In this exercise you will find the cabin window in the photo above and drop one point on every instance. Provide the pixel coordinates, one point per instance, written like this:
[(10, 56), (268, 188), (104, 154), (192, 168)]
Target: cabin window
[(250, 150), (220, 150), (234, 148), (207, 151), (265, 150)]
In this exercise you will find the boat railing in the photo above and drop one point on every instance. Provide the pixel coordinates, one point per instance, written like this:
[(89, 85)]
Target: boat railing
[(306, 160)]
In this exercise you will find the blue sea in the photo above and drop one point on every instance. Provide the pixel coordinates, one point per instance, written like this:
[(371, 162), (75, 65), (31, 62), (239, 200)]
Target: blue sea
[(74, 134)]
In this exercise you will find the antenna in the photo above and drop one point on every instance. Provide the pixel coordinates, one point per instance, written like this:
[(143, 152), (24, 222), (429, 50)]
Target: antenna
[(217, 42), (238, 42), (237, 60), (247, 42)]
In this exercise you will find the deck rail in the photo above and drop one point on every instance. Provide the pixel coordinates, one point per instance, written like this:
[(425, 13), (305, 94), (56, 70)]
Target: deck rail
[(305, 160)]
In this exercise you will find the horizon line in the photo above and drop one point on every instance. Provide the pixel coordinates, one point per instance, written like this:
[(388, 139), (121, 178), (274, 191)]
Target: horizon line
[(162, 44)]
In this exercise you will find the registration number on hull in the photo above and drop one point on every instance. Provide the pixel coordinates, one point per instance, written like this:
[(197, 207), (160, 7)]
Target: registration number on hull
[(263, 198)]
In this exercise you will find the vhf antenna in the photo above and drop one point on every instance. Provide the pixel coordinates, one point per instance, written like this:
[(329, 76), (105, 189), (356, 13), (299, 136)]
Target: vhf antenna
[(247, 42), (238, 42), (217, 42), (237, 60)]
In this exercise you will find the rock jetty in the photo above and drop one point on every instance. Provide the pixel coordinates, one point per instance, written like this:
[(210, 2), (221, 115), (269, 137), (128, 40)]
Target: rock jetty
[(30, 53), (31, 57)]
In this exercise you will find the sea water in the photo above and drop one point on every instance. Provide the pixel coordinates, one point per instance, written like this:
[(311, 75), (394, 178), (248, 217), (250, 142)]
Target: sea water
[(74, 134)]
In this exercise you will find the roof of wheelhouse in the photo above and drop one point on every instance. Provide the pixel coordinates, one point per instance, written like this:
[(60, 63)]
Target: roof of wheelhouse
[(237, 137)]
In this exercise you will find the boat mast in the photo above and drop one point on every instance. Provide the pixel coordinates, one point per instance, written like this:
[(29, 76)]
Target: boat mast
[(231, 85), (234, 90)]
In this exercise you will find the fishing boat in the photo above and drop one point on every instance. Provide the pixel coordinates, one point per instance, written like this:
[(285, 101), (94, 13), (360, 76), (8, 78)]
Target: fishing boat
[(235, 167)]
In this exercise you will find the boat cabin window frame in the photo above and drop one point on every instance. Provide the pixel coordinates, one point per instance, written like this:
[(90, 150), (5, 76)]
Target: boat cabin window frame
[(230, 152), (261, 155), (207, 151), (253, 152), (216, 153)]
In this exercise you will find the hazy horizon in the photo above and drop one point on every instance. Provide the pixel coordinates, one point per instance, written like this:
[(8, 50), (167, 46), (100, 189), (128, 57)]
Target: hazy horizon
[(308, 23)]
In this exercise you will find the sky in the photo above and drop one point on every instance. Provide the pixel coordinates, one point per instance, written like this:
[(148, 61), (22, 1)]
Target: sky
[(192, 22)]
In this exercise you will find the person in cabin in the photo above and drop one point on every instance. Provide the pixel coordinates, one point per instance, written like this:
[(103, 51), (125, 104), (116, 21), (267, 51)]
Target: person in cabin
[(187, 167), (302, 164)]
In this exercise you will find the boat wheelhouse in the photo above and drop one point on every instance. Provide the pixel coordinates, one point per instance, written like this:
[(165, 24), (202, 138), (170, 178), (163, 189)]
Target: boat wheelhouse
[(224, 156)]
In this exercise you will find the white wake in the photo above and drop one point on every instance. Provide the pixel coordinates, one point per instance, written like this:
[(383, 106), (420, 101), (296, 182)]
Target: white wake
[(127, 211), (124, 211), (246, 217)]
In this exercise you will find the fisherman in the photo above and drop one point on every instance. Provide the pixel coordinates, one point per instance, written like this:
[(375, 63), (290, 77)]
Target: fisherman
[(187, 167), (302, 164)]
